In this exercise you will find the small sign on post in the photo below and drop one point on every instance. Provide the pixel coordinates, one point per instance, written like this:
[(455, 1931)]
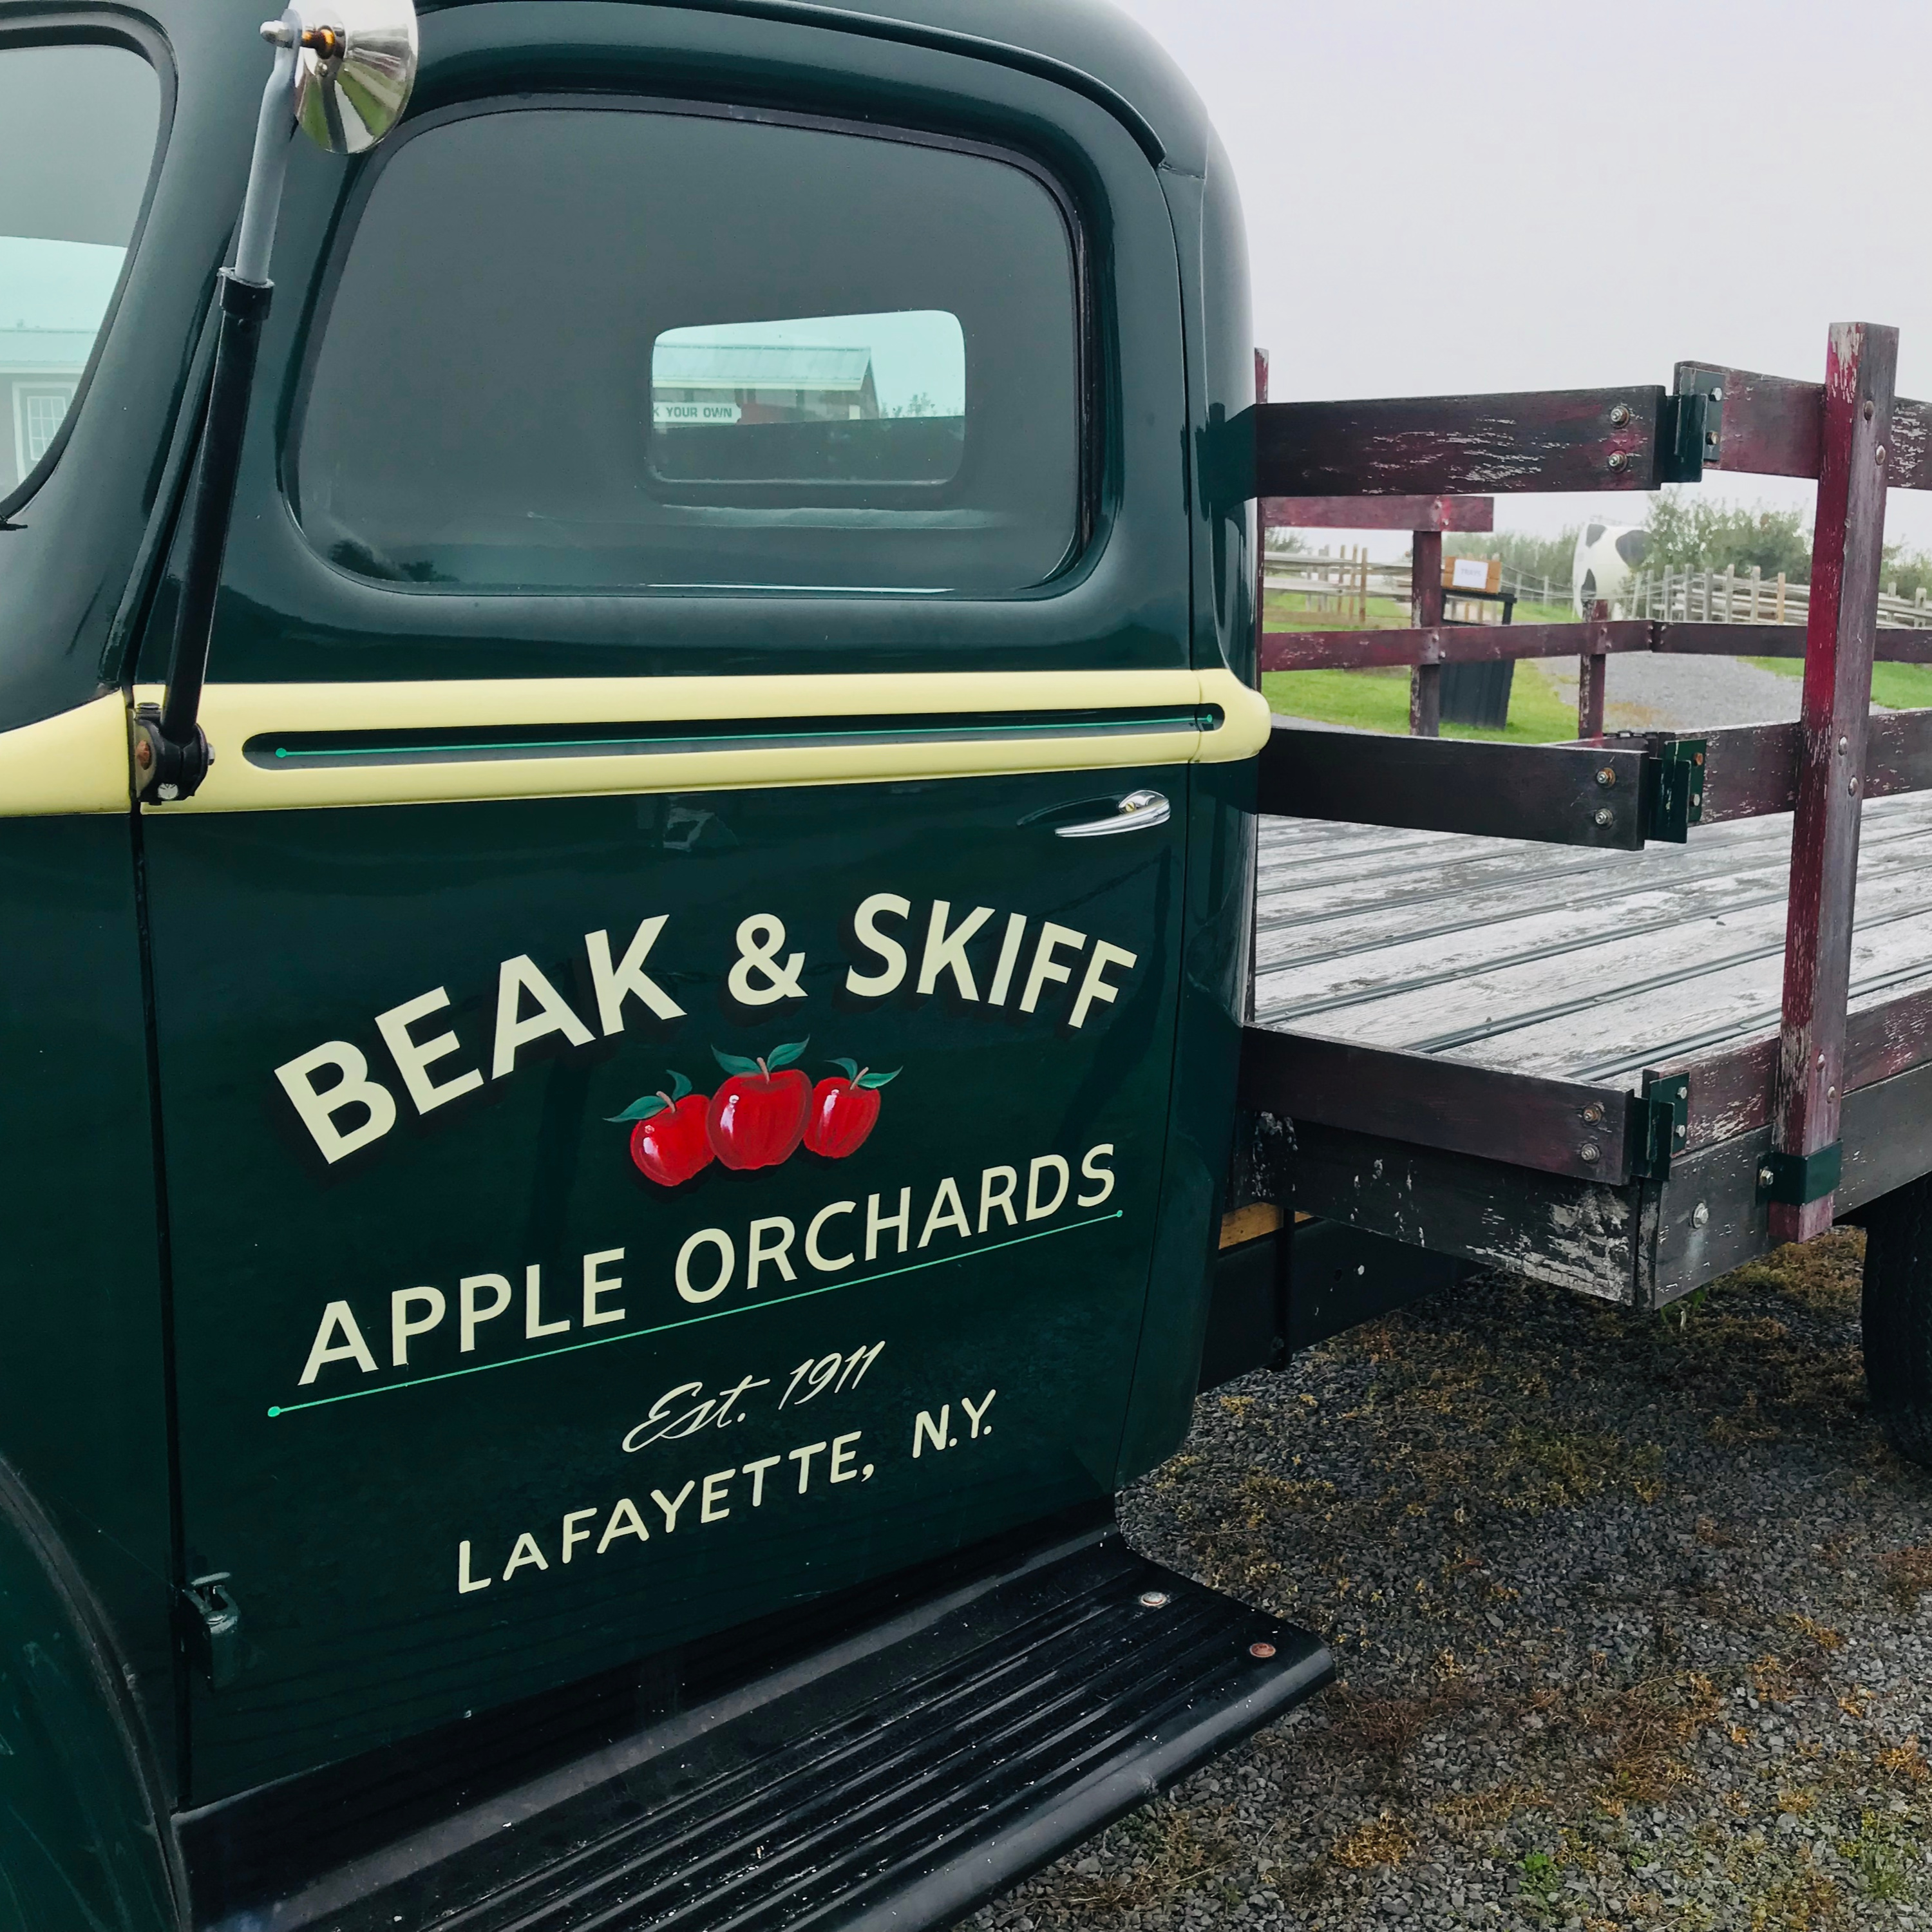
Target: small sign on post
[(1472, 573)]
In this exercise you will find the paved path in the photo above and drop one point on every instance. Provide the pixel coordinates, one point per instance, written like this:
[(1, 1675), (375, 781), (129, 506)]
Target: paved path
[(1646, 691)]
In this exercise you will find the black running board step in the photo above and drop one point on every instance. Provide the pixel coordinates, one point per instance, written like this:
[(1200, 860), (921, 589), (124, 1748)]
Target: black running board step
[(896, 1780)]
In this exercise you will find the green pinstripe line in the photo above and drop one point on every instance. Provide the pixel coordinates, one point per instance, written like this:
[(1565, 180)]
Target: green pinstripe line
[(1191, 720), (689, 1321)]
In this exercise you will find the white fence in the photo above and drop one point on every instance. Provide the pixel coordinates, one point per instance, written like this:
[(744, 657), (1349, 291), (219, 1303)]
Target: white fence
[(1344, 583)]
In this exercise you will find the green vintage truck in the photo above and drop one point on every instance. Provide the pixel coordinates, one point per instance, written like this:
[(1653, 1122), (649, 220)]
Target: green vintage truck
[(625, 841)]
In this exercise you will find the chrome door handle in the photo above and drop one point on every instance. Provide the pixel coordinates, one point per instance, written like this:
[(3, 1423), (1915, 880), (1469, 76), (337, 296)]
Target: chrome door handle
[(1137, 812)]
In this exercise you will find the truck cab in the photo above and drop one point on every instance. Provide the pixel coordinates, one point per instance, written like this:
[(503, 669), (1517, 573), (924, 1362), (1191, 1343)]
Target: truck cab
[(599, 1206)]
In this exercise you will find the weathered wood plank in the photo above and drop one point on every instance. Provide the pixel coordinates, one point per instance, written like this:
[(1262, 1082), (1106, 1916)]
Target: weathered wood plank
[(1549, 792), (1608, 1042), (1379, 513), (1847, 552), (1751, 769), (1355, 952), (1449, 445), (1434, 642), (1555, 1126), (1571, 1233), (1771, 423), (1886, 1033), (1563, 1014)]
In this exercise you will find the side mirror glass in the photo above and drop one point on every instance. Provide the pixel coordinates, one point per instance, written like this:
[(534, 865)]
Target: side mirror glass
[(812, 401), (351, 89)]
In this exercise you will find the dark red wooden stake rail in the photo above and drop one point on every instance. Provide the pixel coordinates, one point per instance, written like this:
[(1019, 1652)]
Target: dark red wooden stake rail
[(1340, 464), (1847, 551)]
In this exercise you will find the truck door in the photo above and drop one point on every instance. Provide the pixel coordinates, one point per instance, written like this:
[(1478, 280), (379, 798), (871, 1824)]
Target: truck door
[(665, 1002)]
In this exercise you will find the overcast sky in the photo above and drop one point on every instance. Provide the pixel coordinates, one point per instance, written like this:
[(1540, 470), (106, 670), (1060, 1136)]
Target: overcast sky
[(1515, 194)]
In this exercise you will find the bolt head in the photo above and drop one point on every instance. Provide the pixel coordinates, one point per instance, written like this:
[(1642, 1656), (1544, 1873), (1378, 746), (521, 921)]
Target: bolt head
[(1717, 393), (1868, 411), (1593, 1113), (1700, 1216), (1620, 415), (1263, 1650), (1606, 775), (1618, 459), (1605, 816), (1153, 1599), (1590, 1152), (1878, 454), (1844, 745), (167, 791), (1765, 1177), (1683, 1132)]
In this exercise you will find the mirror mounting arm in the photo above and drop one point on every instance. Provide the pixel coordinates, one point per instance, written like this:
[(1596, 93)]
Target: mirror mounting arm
[(374, 42), (172, 753)]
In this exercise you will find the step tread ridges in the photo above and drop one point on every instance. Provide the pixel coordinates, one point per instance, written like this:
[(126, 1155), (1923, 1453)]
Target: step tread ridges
[(942, 1750)]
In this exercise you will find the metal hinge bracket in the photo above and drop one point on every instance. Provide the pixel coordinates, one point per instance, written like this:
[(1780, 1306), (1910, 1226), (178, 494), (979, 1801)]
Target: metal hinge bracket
[(1663, 1122), (211, 1629), (1690, 431), (1794, 1179), (1676, 790)]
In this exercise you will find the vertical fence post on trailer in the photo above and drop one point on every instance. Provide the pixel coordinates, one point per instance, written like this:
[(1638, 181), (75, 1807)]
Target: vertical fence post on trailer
[(1590, 669), (1847, 548), (1425, 681)]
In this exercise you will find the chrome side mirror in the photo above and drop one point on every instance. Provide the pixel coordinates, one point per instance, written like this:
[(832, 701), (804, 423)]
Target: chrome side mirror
[(356, 68)]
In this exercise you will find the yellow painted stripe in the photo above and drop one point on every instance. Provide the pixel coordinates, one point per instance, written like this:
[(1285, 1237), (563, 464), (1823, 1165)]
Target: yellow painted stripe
[(79, 762)]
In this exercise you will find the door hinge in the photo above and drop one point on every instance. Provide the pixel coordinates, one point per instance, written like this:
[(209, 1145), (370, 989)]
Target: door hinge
[(211, 1629), (1677, 790), (1794, 1179), (1663, 1122)]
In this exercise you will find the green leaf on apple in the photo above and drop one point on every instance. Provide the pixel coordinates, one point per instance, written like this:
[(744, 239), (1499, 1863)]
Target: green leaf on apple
[(679, 1086), (641, 1108), (880, 1079), (783, 1056), (851, 1067), (734, 1063)]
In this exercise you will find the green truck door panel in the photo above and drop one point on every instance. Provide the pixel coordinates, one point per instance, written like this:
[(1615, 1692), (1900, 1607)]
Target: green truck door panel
[(481, 1406)]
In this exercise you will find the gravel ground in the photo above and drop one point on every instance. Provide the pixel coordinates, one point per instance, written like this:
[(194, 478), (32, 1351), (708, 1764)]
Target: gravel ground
[(1645, 690), (1627, 1611)]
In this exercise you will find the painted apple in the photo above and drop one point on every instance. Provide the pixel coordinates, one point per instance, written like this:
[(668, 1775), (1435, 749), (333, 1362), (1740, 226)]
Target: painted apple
[(667, 1137), (757, 1116), (668, 1140), (843, 1111)]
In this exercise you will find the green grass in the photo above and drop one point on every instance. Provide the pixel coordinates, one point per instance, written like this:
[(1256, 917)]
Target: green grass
[(1903, 687), (1289, 610), (1377, 700)]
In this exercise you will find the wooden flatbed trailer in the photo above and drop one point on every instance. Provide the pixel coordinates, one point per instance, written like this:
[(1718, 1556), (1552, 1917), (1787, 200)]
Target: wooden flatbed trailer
[(1621, 1014)]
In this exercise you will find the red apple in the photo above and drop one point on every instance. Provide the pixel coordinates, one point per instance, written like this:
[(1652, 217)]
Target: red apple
[(668, 1142), (757, 1116), (844, 1111)]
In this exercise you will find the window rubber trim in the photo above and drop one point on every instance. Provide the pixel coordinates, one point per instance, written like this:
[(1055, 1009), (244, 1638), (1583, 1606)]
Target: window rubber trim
[(347, 216)]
